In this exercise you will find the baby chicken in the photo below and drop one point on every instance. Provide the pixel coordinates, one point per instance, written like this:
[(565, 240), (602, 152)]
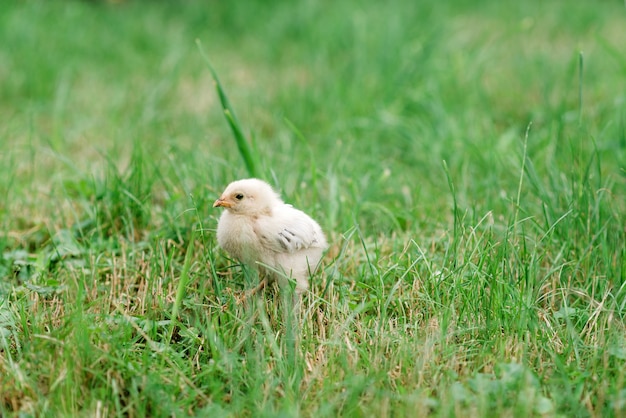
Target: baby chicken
[(263, 232)]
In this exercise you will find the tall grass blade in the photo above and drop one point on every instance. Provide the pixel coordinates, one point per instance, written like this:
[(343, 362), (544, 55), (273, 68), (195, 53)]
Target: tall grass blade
[(580, 87), (455, 209), (242, 143), (521, 176), (182, 285)]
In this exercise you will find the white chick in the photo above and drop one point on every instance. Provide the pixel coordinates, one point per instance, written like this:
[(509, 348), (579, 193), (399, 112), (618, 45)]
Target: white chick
[(263, 232)]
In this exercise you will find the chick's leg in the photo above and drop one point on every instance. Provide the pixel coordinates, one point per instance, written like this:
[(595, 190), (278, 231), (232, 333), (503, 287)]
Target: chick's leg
[(260, 286), (249, 293)]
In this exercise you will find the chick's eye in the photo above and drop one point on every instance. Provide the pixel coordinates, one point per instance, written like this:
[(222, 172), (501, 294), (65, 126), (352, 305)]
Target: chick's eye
[(238, 196)]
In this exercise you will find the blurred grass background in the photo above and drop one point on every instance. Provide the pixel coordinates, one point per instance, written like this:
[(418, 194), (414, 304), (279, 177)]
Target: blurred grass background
[(491, 283)]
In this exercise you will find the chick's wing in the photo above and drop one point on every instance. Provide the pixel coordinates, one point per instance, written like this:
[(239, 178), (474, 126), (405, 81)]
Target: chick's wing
[(288, 230)]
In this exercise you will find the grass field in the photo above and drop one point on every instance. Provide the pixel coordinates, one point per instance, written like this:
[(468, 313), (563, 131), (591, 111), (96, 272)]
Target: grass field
[(466, 160)]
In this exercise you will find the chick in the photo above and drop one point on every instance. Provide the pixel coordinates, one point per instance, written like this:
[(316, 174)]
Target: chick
[(263, 232)]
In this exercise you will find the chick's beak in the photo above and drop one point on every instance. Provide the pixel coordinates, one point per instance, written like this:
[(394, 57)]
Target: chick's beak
[(222, 202)]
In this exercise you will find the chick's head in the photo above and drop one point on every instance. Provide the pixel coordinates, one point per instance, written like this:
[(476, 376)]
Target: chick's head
[(248, 197)]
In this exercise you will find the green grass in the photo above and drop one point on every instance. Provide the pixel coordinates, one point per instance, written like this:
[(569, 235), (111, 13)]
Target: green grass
[(466, 161)]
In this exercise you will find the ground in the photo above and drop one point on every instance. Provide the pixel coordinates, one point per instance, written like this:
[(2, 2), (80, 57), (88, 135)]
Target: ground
[(465, 160)]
